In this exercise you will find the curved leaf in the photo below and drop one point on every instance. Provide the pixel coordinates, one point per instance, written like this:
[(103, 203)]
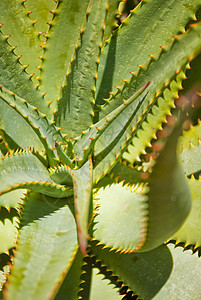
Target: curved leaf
[(163, 25), (190, 231), (144, 273), (24, 170), (101, 288), (46, 248), (60, 45), (75, 108)]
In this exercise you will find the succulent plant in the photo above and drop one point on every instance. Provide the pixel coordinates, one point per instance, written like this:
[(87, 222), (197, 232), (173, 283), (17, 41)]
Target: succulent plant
[(99, 168)]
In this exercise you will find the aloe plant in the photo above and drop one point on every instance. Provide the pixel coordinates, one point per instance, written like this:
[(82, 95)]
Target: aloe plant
[(99, 181)]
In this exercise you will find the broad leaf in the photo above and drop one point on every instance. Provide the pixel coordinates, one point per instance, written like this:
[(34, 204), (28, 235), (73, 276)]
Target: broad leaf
[(48, 242)]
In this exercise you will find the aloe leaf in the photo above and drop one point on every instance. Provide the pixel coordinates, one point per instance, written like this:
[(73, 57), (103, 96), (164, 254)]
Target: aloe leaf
[(8, 228), (36, 238), (13, 199), (76, 101), (23, 170), (169, 198), (60, 44), (190, 160), (190, 138), (70, 285), (16, 22), (16, 79), (111, 18), (101, 288), (185, 265), (40, 13), (175, 59), (159, 210), (147, 272), (84, 143), (153, 121), (189, 233), (160, 32), (189, 150), (82, 179), (45, 129), (160, 69), (162, 273), (128, 207)]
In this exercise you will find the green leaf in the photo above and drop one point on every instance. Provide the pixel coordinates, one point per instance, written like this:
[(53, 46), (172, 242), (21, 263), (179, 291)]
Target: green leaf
[(111, 22), (101, 288), (46, 248), (76, 101), (144, 273), (82, 179), (128, 42), (12, 199), (8, 229), (14, 77), (180, 283), (70, 285), (159, 210), (16, 22), (101, 134), (120, 214), (45, 129), (24, 170), (163, 273), (169, 198), (60, 44), (190, 138), (153, 121), (190, 160), (190, 231), (40, 13)]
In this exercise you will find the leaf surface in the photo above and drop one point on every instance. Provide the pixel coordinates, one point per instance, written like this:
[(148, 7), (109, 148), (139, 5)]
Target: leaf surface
[(24, 170), (75, 109), (82, 179), (47, 245), (158, 23), (60, 44), (190, 231)]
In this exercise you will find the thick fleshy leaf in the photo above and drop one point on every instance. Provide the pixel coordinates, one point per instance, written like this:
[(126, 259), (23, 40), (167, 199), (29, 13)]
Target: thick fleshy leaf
[(102, 132), (153, 122), (171, 61), (8, 229), (180, 284), (12, 199), (163, 24), (190, 137), (16, 22), (48, 134), (40, 13), (101, 288), (48, 241), (111, 22), (163, 273), (82, 179), (75, 109), (121, 214), (60, 45), (190, 232), (190, 160), (144, 273), (159, 210), (14, 77), (70, 285), (24, 170), (169, 198)]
